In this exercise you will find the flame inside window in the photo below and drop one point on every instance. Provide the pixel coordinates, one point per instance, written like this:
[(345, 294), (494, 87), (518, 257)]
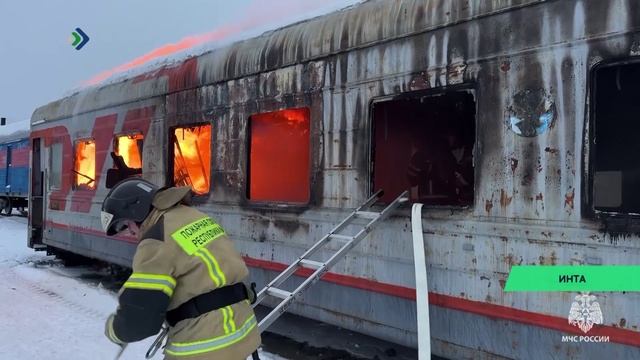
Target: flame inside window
[(85, 164), (192, 157), (130, 148), (279, 156)]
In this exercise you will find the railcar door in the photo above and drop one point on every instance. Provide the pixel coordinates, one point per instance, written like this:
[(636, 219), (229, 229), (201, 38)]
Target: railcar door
[(36, 198), (6, 203)]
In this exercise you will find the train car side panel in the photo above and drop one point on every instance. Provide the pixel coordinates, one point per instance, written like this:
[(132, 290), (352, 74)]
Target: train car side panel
[(519, 70)]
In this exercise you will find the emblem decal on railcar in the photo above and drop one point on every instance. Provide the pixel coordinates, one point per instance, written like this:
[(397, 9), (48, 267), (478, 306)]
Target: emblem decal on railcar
[(531, 113), (585, 312)]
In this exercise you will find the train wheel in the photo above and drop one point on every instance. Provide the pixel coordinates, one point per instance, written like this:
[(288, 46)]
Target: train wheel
[(5, 206), (71, 259)]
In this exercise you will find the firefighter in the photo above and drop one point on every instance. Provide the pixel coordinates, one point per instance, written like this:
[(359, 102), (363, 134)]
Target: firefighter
[(185, 272)]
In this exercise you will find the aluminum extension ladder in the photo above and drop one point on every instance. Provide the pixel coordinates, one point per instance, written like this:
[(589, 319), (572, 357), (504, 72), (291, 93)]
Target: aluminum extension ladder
[(321, 267)]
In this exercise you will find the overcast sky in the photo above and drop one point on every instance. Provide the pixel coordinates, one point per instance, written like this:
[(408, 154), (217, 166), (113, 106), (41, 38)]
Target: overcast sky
[(39, 65)]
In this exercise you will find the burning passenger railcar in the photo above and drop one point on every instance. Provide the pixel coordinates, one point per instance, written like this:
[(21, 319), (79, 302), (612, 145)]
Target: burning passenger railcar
[(487, 111)]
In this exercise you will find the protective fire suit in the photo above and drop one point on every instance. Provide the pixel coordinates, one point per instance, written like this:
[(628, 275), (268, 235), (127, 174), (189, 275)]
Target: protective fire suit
[(183, 254)]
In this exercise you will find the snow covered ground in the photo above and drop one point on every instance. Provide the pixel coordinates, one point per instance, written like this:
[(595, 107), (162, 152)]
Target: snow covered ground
[(48, 312)]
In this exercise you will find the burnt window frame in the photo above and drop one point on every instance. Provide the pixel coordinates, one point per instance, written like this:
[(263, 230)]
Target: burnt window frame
[(75, 186), (470, 88), (128, 133), (615, 222), (197, 198), (247, 179)]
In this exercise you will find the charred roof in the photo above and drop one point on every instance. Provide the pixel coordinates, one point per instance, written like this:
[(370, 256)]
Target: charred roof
[(363, 25)]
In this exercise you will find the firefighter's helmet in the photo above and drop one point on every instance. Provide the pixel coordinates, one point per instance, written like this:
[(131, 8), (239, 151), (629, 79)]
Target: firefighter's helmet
[(128, 200)]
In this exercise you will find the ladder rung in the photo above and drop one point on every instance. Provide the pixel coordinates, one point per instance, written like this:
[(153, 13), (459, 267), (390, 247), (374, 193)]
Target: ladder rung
[(311, 263), (341, 237), (367, 214), (321, 267), (283, 294)]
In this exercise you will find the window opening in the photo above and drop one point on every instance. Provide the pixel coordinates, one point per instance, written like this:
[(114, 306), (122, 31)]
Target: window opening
[(616, 167), (192, 157), (85, 164), (130, 148), (279, 156), (127, 158), (425, 145)]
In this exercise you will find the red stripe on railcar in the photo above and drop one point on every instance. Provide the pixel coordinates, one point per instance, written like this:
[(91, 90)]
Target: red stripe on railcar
[(616, 335), (138, 119), (3, 157), (19, 156), (88, 231), (103, 134)]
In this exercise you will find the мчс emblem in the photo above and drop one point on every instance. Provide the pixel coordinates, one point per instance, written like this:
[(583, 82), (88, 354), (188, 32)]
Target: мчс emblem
[(585, 312), (531, 113)]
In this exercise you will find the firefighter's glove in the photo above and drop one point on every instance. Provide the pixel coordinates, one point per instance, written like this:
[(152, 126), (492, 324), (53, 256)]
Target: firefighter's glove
[(110, 333), (251, 292)]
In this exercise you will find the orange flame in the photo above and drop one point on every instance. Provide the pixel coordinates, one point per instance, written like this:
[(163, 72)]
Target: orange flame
[(279, 156), (192, 158), (85, 164), (127, 147), (257, 16)]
